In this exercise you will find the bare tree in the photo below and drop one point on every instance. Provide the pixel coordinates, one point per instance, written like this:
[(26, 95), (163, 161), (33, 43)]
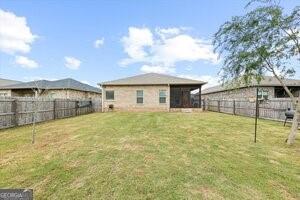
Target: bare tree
[(38, 91)]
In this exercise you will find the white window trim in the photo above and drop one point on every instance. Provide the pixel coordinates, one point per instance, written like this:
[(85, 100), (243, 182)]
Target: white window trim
[(165, 96), (139, 97)]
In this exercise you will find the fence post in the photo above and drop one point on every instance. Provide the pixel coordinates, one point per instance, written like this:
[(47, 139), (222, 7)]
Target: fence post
[(54, 109), (234, 107), (14, 109), (91, 106), (66, 108), (76, 107), (203, 106), (219, 109), (208, 104)]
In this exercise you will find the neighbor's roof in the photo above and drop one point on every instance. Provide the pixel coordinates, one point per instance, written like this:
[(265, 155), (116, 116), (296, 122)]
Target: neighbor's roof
[(153, 79), (4, 82), (267, 81), (67, 83)]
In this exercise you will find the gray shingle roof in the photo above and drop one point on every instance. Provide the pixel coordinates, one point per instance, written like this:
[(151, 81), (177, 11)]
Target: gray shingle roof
[(4, 82), (268, 81), (67, 83), (153, 79)]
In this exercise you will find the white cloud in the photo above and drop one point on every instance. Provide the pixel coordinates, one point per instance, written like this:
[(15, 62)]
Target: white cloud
[(26, 62), (211, 80), (72, 63), (183, 48), (165, 47), (134, 44), (168, 32), (98, 43), (15, 34), (157, 69)]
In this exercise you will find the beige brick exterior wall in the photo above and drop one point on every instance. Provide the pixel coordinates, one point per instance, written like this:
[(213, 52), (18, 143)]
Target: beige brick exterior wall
[(22, 93), (70, 94), (5, 93), (55, 94), (125, 98), (242, 93)]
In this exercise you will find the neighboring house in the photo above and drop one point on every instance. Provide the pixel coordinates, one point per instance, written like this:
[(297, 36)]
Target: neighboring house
[(150, 92), (5, 82), (64, 89), (270, 87)]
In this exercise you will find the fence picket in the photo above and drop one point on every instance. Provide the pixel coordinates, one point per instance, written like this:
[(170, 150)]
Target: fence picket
[(271, 109), (20, 110)]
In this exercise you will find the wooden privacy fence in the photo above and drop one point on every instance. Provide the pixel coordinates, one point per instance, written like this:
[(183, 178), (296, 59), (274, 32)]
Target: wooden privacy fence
[(270, 109), (21, 111)]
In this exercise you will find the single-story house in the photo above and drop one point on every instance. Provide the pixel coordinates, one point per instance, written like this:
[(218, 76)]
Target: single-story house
[(63, 89), (151, 92), (269, 86), (5, 82)]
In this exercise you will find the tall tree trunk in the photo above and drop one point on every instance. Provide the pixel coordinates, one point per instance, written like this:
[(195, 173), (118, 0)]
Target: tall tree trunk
[(294, 130)]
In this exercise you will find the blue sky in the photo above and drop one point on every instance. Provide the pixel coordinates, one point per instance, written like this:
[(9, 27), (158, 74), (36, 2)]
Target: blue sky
[(57, 39)]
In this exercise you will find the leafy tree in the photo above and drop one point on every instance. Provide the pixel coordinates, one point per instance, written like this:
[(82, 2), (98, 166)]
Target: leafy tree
[(263, 40)]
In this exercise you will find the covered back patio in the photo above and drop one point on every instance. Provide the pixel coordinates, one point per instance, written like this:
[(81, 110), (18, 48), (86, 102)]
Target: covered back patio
[(185, 96)]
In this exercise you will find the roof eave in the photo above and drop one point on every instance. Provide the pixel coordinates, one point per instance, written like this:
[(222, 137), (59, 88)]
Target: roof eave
[(200, 83), (132, 84), (52, 88), (140, 84), (274, 85)]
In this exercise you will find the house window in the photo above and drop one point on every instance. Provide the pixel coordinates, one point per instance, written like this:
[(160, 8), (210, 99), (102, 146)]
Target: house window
[(3, 94), (110, 95), (162, 96), (139, 96), (263, 94), (281, 93)]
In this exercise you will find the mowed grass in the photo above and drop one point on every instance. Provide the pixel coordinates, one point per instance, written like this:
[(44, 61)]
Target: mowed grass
[(152, 156)]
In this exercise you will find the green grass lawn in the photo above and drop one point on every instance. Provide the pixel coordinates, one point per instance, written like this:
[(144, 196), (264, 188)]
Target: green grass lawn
[(152, 156)]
